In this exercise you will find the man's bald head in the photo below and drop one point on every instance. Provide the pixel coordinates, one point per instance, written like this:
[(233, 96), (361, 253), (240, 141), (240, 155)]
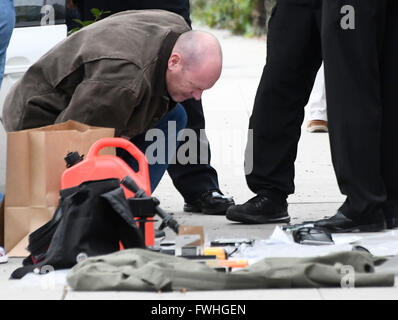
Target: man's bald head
[(194, 65), (198, 48)]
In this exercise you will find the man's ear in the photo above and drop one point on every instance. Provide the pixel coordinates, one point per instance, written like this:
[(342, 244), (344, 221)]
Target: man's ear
[(175, 61)]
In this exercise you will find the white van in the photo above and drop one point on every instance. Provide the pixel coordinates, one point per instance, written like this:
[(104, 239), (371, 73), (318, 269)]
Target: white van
[(40, 25)]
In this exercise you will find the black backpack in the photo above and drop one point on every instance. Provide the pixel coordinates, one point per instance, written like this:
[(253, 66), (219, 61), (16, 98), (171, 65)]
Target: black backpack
[(91, 219)]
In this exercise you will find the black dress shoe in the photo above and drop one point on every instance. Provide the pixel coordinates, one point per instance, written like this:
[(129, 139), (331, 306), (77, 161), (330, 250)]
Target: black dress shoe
[(340, 223), (211, 202), (259, 210)]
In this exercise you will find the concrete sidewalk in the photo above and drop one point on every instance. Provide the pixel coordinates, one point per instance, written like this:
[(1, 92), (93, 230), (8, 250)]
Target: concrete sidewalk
[(227, 109)]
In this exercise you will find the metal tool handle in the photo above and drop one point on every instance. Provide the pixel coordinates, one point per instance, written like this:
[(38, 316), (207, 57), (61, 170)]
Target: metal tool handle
[(168, 220)]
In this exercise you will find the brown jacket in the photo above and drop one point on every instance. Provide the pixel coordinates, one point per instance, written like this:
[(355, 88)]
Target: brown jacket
[(109, 74)]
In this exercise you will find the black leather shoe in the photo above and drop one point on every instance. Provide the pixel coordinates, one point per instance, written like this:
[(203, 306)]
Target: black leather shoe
[(259, 210), (211, 202), (340, 223)]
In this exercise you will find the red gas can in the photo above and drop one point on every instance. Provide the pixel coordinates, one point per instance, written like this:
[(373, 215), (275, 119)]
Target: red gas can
[(98, 167)]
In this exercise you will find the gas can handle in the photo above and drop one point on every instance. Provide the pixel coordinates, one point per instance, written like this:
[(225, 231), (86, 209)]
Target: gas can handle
[(124, 144)]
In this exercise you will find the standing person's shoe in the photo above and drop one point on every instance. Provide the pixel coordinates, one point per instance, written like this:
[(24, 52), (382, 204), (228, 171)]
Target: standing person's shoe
[(3, 256), (259, 210), (340, 223), (317, 126), (211, 202)]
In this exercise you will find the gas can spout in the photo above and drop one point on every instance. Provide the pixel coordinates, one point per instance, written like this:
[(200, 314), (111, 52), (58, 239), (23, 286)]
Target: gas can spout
[(72, 158)]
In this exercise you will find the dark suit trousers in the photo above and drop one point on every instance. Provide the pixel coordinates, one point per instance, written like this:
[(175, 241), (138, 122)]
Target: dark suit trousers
[(361, 71), (293, 59)]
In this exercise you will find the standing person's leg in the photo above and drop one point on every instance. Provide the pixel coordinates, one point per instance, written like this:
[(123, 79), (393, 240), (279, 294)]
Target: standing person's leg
[(293, 59), (352, 38), (7, 22), (389, 138), (157, 169), (317, 105), (198, 182)]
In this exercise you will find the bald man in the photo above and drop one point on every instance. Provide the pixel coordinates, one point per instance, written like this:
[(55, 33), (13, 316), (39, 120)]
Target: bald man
[(128, 71), (194, 65)]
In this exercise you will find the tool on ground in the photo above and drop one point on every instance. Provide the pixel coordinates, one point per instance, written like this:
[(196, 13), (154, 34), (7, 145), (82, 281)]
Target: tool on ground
[(227, 264), (167, 220), (190, 241), (312, 236), (230, 242), (293, 227), (220, 253)]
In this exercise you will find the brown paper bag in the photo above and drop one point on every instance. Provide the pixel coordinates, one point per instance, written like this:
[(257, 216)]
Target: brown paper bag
[(35, 163)]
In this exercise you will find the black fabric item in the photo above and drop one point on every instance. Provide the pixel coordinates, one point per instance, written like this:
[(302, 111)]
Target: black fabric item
[(90, 221), (21, 272), (39, 240)]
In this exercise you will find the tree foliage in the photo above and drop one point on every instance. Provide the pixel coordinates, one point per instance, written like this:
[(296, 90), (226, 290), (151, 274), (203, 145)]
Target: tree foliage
[(247, 17), (97, 14)]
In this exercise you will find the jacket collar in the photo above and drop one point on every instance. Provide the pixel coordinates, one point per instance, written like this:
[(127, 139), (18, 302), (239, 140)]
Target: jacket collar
[(160, 88)]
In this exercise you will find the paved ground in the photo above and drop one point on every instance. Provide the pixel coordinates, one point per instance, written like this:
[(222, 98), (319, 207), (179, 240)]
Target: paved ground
[(227, 109)]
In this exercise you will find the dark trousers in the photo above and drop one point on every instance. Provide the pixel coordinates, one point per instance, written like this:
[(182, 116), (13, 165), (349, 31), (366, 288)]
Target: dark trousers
[(361, 69), (293, 59), (193, 179), (157, 169), (361, 72)]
